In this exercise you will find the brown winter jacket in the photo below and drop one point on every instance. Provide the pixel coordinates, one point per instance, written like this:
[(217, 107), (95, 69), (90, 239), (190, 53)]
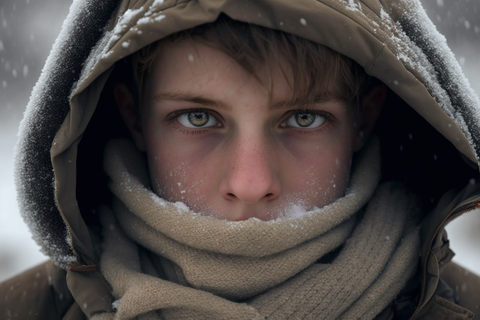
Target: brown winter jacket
[(429, 131)]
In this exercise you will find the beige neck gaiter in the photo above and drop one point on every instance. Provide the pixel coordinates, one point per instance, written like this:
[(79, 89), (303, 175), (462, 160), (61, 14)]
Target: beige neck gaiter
[(165, 262)]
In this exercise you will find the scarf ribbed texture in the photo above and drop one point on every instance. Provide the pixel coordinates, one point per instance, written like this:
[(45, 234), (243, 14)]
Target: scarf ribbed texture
[(164, 261)]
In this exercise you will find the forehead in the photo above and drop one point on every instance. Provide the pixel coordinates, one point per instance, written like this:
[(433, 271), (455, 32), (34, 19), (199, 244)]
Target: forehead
[(191, 68), (193, 65)]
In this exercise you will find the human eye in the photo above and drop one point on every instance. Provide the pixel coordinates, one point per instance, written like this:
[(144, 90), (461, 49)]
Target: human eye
[(305, 120), (197, 119)]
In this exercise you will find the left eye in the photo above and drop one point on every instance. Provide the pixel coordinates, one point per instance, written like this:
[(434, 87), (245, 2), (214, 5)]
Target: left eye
[(197, 119), (305, 120)]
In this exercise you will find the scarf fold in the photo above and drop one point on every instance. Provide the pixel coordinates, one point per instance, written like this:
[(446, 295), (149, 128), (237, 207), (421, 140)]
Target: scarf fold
[(200, 267)]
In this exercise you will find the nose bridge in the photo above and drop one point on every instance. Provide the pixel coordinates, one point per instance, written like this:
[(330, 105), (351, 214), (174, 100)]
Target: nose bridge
[(252, 172)]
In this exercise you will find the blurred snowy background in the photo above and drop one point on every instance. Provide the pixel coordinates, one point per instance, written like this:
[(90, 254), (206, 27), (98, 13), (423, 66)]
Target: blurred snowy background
[(28, 29)]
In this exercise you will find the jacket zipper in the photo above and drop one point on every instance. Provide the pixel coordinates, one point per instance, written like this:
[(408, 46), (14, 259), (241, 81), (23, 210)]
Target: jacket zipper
[(449, 217)]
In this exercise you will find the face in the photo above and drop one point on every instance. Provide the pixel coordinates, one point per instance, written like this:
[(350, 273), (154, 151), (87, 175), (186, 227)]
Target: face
[(215, 142)]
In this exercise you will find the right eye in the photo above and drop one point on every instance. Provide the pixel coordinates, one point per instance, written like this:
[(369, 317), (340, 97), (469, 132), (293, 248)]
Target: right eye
[(197, 119), (305, 120)]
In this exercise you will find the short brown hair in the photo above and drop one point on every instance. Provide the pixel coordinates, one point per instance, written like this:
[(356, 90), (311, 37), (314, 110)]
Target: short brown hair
[(313, 65)]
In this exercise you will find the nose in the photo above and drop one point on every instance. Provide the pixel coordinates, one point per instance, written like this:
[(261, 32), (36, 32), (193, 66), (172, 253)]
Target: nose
[(251, 175)]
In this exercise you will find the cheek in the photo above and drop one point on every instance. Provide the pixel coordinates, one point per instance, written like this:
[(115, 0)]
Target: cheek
[(319, 173), (180, 171)]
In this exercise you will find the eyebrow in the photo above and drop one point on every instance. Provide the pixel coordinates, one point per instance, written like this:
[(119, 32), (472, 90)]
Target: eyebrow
[(278, 105), (181, 96), (296, 103)]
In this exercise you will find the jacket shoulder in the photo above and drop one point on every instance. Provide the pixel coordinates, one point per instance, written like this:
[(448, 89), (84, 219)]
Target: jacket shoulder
[(38, 293), (465, 285)]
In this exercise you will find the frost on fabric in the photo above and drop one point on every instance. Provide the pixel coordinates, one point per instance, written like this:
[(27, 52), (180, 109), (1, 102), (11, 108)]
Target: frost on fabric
[(352, 6), (116, 304), (383, 14), (151, 10), (297, 210), (158, 200), (442, 74), (424, 51), (180, 206), (130, 18), (45, 112)]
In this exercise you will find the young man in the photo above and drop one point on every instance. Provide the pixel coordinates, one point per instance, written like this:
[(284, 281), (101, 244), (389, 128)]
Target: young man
[(250, 184)]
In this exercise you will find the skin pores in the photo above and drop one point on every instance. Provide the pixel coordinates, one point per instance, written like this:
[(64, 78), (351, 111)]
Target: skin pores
[(215, 142)]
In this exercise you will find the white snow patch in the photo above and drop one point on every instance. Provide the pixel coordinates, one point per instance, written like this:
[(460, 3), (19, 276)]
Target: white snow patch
[(303, 21), (383, 14), (352, 6), (181, 206), (158, 200), (147, 20), (116, 304), (1, 46)]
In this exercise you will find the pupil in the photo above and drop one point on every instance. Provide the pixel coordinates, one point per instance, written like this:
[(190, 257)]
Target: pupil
[(304, 119), (198, 119)]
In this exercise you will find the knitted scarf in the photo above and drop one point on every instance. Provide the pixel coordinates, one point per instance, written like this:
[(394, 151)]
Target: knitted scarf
[(164, 261)]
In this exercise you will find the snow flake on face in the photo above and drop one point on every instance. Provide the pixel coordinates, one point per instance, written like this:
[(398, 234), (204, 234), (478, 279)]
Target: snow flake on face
[(126, 44), (190, 58), (303, 21)]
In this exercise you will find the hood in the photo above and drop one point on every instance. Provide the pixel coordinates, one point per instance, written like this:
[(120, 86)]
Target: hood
[(429, 130)]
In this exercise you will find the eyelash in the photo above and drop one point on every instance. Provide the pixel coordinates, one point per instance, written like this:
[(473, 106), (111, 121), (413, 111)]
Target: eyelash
[(329, 119), (172, 116)]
